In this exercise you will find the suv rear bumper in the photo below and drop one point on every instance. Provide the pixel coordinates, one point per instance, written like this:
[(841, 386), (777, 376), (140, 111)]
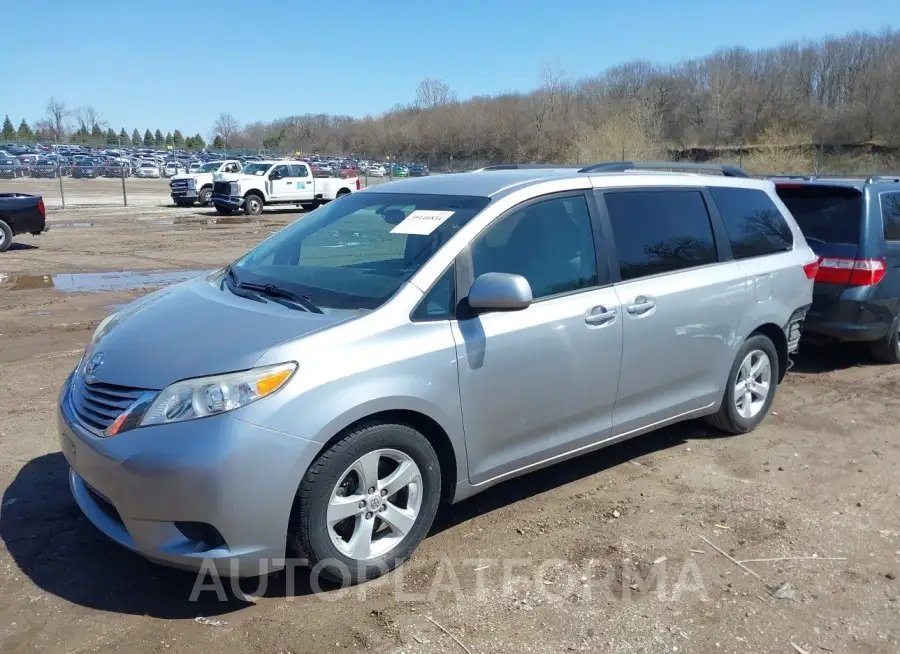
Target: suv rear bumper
[(849, 321)]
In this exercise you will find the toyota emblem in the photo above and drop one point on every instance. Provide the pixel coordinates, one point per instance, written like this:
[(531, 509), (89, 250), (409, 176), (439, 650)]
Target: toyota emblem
[(93, 365)]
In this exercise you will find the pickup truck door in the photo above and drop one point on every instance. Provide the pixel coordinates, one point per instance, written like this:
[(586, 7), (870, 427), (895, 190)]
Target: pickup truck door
[(280, 183), (304, 184)]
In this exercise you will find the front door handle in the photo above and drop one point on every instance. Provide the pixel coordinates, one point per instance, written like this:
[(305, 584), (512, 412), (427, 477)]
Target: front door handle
[(600, 315), (640, 306)]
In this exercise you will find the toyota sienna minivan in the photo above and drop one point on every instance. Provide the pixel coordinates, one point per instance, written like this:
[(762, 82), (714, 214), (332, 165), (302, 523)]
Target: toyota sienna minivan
[(419, 342)]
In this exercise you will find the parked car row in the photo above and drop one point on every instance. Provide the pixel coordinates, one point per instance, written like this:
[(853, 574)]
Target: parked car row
[(414, 344)]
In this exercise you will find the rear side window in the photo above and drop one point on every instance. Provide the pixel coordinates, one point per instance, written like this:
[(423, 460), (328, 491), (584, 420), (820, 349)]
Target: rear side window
[(890, 211), (754, 224), (660, 231), (825, 214)]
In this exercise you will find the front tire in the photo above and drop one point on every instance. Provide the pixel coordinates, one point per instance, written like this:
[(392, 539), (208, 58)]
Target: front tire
[(253, 205), (205, 197), (751, 387), (366, 503)]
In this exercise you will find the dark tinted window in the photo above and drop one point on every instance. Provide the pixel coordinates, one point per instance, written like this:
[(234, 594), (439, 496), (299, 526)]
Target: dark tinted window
[(549, 243), (890, 210), (299, 170), (754, 224), (440, 302), (660, 231), (825, 214)]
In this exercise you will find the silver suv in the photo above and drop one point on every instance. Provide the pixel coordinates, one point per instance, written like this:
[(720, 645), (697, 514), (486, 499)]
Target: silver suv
[(421, 341)]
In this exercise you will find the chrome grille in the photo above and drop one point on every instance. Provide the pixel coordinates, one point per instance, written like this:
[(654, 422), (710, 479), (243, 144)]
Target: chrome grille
[(98, 405)]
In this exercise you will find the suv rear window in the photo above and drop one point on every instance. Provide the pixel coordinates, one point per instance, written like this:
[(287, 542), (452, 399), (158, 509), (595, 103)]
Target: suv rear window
[(825, 214)]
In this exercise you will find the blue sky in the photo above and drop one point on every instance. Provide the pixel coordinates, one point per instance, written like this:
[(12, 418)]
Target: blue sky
[(177, 64)]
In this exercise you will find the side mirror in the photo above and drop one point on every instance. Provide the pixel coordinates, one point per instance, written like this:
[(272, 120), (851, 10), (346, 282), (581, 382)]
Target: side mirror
[(274, 175), (500, 292)]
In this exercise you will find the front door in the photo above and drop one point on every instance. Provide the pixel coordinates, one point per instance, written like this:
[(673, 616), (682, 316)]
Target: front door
[(681, 307), (540, 383)]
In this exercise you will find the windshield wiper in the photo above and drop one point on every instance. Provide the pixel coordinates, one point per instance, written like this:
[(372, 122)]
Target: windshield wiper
[(274, 292)]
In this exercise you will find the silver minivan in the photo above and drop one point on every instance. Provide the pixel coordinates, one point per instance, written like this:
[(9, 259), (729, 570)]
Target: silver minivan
[(419, 342)]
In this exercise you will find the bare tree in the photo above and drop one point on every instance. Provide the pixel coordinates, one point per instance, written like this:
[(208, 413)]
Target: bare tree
[(57, 114), (225, 126), (432, 93)]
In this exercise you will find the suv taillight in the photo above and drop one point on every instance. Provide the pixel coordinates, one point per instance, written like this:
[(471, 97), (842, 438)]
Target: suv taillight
[(850, 272), (357, 183), (41, 209), (811, 269)]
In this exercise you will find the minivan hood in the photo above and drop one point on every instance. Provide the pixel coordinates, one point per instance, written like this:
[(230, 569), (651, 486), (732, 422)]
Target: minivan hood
[(194, 329)]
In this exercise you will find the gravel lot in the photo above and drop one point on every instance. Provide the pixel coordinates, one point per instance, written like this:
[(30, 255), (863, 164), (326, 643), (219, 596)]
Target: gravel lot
[(602, 554)]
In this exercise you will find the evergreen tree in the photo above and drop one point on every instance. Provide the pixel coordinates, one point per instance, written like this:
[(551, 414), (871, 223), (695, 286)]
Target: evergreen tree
[(111, 138), (158, 139), (97, 134), (169, 141), (123, 137), (199, 143), (148, 138), (218, 143), (136, 138), (9, 132), (24, 132), (178, 139)]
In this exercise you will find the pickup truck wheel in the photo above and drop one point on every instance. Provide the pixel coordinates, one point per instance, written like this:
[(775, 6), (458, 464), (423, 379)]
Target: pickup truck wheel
[(253, 205), (5, 236), (366, 503), (205, 198), (750, 389), (342, 193), (887, 350)]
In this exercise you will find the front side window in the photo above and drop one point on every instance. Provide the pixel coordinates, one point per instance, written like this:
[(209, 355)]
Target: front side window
[(890, 211), (660, 231), (355, 254), (549, 243), (754, 224)]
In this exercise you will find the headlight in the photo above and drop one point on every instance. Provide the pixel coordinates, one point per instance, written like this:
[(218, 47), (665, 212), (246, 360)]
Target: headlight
[(207, 396)]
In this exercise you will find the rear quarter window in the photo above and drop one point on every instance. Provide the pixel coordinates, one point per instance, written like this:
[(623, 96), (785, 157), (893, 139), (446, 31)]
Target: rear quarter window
[(825, 214), (754, 223), (890, 212)]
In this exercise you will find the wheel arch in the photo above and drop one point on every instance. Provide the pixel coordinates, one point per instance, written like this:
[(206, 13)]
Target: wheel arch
[(775, 334), (426, 425)]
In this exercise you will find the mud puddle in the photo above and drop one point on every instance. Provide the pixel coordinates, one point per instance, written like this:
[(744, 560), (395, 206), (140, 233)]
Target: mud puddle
[(97, 282)]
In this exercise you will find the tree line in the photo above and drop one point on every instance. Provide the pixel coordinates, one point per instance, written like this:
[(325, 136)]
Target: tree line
[(88, 129), (836, 90)]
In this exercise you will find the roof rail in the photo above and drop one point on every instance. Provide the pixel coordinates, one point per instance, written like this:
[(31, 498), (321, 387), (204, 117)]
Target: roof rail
[(883, 178), (523, 166), (623, 166), (871, 179)]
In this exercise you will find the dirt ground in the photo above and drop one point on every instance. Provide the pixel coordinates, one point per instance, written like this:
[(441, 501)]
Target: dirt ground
[(612, 552), (104, 192)]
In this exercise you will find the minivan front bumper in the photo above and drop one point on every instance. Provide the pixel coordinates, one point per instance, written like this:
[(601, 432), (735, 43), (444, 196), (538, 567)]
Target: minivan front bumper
[(216, 490)]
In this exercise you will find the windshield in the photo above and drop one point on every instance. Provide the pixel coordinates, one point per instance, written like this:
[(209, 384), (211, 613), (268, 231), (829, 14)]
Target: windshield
[(256, 168), (356, 252), (210, 167)]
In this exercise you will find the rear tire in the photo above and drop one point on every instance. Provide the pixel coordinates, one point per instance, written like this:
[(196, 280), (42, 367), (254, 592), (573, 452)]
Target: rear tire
[(888, 350), (333, 546), (6, 236), (734, 416), (253, 205)]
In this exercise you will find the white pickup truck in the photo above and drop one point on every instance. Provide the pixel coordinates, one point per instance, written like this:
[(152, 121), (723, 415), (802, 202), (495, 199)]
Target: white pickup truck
[(198, 187), (263, 183)]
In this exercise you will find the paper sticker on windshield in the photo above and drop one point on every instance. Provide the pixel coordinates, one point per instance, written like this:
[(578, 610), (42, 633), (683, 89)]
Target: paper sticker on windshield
[(421, 222)]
